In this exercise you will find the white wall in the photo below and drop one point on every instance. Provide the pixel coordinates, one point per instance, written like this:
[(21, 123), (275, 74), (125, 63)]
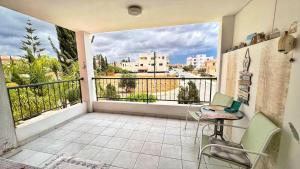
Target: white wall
[(47, 121), (161, 110), (257, 16)]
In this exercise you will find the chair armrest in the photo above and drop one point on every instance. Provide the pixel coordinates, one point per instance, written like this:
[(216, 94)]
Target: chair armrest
[(233, 148)]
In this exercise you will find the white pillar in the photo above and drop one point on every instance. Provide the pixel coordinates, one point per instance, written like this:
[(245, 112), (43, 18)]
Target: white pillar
[(85, 60), (8, 137)]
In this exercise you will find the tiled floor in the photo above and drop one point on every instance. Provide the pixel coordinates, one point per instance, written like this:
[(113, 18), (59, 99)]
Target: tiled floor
[(124, 141)]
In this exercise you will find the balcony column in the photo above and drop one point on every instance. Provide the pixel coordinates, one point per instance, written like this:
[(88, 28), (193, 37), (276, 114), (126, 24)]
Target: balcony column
[(85, 60), (8, 137)]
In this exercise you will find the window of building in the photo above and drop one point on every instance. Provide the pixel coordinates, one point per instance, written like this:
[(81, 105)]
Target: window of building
[(163, 57), (160, 64), (152, 64), (141, 64)]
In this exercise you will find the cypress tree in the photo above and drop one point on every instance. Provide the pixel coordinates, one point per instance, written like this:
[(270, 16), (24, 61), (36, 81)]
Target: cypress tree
[(67, 54)]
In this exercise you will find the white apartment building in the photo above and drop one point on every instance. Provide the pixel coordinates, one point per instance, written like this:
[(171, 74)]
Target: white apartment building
[(146, 62), (130, 66), (198, 61)]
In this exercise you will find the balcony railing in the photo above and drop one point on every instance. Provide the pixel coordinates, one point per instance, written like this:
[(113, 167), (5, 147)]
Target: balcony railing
[(180, 90), (28, 101)]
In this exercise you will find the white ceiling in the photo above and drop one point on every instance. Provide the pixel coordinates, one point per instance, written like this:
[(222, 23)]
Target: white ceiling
[(111, 15)]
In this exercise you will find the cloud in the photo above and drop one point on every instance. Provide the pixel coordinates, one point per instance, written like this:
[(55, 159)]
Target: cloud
[(12, 30), (175, 40)]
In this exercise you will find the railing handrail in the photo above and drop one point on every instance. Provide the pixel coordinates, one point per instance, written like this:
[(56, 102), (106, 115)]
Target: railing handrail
[(204, 78), (39, 84)]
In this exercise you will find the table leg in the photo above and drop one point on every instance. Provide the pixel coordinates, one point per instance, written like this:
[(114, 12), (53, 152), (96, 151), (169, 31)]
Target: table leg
[(218, 131)]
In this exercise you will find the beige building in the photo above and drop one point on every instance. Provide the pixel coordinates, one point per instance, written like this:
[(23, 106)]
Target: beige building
[(210, 67), (146, 62)]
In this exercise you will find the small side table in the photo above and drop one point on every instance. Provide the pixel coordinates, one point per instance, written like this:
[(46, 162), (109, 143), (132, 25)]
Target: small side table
[(218, 114)]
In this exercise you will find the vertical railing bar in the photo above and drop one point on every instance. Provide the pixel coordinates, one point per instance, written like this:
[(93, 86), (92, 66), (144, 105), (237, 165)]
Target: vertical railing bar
[(160, 88), (43, 99), (28, 101), (20, 104), (68, 93), (147, 91), (165, 89), (59, 92), (200, 90), (210, 90), (184, 88), (36, 101), (96, 89), (49, 97), (54, 96), (205, 90)]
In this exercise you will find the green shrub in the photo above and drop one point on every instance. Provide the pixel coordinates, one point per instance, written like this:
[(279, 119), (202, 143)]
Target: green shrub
[(141, 98), (111, 92), (188, 94), (73, 96), (128, 82)]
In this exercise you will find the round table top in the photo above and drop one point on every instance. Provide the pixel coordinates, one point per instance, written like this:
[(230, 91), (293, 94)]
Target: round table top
[(217, 112)]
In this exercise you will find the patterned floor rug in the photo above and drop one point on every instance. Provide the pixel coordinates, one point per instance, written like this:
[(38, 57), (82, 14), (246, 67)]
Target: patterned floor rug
[(63, 162)]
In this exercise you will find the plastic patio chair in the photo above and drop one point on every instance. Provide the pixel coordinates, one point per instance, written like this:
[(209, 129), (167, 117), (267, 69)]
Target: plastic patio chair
[(219, 99), (246, 153)]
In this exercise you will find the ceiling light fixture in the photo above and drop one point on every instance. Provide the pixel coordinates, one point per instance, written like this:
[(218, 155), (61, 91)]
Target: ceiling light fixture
[(134, 10)]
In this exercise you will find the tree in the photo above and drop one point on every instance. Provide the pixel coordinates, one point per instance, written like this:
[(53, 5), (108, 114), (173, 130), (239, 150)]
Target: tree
[(67, 54), (188, 68), (128, 82), (55, 67), (188, 94), (31, 44), (193, 92), (111, 92)]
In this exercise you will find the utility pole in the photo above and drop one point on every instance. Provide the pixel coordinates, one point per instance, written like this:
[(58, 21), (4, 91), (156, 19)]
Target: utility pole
[(154, 64)]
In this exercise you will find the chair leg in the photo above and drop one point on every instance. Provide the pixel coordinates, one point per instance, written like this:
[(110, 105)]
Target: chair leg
[(186, 116), (197, 130), (199, 164)]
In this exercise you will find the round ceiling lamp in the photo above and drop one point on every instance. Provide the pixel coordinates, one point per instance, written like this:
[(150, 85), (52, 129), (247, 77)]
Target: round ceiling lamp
[(134, 10)]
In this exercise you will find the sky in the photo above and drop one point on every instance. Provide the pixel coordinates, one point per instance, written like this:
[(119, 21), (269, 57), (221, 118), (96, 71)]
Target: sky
[(12, 30), (178, 42)]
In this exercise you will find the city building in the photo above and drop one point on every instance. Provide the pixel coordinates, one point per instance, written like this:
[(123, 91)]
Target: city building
[(7, 59), (130, 66), (146, 62), (210, 67), (198, 61)]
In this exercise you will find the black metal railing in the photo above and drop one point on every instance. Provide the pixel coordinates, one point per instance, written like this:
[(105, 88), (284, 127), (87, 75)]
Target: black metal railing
[(180, 90), (28, 101)]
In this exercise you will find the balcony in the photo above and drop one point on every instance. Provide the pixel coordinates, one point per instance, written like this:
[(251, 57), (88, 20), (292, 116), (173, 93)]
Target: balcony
[(119, 140)]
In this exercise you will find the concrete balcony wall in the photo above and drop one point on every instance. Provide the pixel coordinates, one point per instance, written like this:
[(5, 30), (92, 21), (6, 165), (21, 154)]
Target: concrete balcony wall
[(151, 109), (41, 124)]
